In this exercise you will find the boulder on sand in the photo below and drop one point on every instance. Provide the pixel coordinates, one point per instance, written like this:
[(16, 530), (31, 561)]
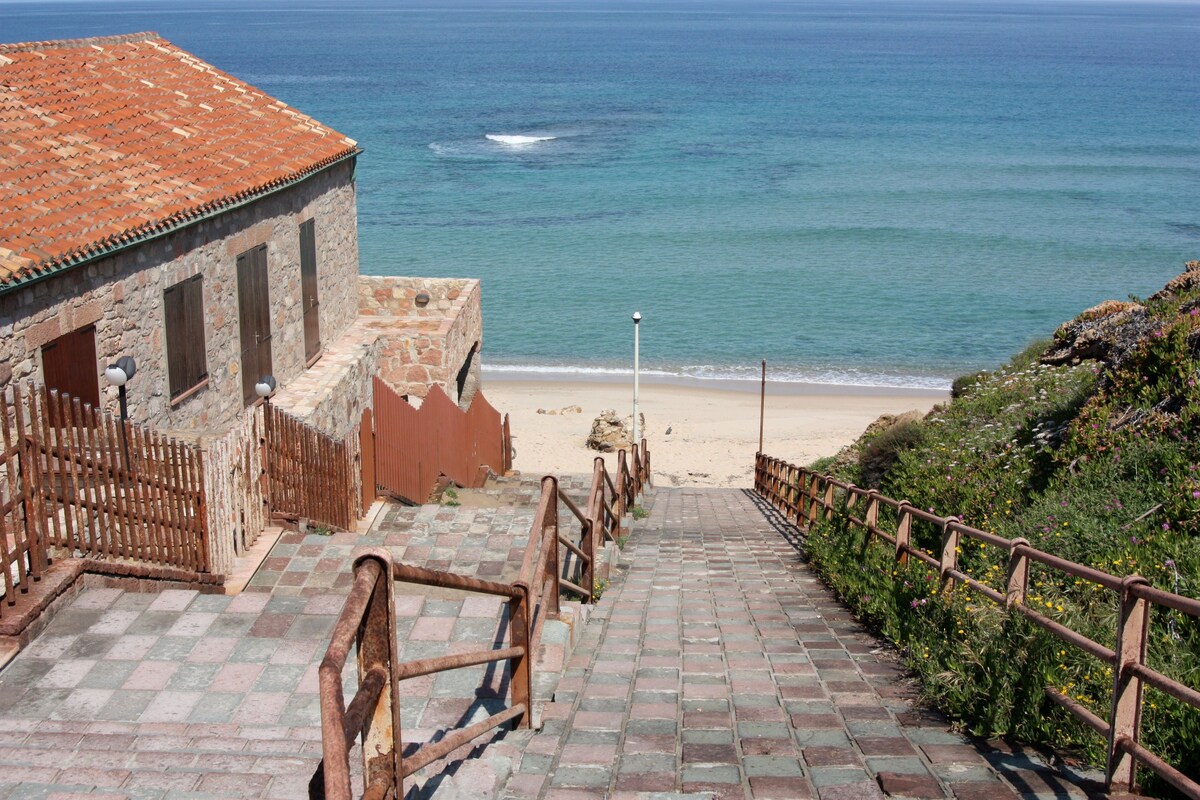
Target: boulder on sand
[(610, 433)]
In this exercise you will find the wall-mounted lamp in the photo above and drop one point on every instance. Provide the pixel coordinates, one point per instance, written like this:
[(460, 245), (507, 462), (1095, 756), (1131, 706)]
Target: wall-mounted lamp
[(118, 374), (265, 387)]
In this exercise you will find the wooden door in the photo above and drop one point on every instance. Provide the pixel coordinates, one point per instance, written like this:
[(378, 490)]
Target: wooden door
[(254, 313), (309, 299), (69, 365)]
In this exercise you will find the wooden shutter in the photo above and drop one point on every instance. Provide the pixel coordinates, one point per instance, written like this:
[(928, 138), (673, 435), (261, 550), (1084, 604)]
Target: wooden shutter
[(254, 314), (308, 290), (69, 364), (183, 309)]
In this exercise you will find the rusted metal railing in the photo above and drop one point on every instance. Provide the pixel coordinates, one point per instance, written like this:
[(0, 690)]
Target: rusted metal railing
[(803, 496), (368, 621)]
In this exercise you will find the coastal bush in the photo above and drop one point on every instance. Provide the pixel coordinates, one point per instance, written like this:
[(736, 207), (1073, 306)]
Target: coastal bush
[(879, 455), (1096, 461)]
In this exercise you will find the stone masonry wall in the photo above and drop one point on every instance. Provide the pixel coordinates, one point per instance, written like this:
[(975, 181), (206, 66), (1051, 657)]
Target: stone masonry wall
[(428, 346), (123, 297), (396, 296)]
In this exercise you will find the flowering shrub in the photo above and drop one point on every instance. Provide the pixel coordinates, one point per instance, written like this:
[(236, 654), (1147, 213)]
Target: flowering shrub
[(1097, 463)]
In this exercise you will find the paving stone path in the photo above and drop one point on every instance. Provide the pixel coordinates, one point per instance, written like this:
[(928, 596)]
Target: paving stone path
[(719, 666), (715, 666)]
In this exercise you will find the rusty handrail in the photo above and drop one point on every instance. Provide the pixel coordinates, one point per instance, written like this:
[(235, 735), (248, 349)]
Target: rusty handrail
[(802, 495), (367, 622)]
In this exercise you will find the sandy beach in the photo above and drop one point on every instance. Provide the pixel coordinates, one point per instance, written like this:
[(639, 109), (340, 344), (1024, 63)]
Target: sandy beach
[(713, 430)]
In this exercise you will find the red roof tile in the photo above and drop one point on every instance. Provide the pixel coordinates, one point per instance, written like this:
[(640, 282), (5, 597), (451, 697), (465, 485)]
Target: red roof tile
[(107, 140)]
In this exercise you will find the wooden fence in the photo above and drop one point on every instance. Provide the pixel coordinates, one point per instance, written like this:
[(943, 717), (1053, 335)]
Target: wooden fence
[(415, 446), (83, 480), (804, 497), (309, 475)]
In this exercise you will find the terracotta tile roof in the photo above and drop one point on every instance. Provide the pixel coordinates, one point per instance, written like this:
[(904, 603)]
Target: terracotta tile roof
[(106, 141)]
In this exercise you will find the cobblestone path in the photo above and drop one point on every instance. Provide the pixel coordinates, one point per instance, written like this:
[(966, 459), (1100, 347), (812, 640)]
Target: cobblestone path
[(719, 666)]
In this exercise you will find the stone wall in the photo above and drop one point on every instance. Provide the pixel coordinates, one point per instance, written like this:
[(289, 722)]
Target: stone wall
[(426, 346), (235, 505), (397, 296), (123, 297)]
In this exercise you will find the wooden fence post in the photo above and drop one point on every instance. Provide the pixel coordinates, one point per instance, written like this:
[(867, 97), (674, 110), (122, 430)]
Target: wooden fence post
[(828, 499), (1018, 573), (813, 480), (872, 516), (1126, 718), (949, 559), (903, 532)]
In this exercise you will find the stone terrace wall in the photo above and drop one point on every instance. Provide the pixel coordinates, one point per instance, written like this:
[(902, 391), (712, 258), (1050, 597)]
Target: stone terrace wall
[(397, 296), (233, 487), (426, 346)]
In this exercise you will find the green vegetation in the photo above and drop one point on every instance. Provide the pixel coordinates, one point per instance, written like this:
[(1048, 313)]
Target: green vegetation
[(1088, 446), (639, 513), (450, 497)]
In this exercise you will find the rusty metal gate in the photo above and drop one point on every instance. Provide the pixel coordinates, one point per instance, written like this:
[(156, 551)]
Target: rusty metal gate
[(415, 446)]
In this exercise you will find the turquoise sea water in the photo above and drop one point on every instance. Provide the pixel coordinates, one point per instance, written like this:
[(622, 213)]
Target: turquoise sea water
[(874, 192)]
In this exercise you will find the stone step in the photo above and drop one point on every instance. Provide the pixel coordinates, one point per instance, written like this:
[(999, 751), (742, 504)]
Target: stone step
[(39, 758)]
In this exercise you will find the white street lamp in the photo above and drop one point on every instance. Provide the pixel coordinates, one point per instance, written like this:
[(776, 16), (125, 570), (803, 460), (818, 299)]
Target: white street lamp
[(637, 318)]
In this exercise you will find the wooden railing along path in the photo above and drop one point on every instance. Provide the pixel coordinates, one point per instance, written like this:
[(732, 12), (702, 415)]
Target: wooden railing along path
[(368, 625), (804, 496)]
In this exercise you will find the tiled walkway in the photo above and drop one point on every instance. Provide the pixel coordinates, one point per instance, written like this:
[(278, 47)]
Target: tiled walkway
[(715, 666), (720, 665)]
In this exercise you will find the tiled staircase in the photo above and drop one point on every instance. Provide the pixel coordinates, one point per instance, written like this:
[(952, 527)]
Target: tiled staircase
[(208, 696)]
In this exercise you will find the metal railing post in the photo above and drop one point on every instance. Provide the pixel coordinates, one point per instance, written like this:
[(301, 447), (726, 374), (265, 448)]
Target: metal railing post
[(588, 529), (521, 682), (1018, 573), (903, 532), (646, 481), (382, 748), (551, 532), (1126, 719)]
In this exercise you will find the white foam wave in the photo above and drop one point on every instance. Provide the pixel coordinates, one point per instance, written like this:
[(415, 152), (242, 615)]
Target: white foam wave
[(514, 140), (706, 372)]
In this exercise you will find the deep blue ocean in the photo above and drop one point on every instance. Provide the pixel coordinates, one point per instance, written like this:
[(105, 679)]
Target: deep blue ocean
[(870, 192)]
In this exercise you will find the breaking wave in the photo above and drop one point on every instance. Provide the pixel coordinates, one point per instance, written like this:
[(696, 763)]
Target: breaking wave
[(514, 140)]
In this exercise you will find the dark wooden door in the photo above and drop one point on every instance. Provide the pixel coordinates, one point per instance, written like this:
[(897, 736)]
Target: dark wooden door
[(254, 311), (69, 365), (310, 302)]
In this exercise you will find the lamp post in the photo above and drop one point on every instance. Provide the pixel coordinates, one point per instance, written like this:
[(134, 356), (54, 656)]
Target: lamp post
[(118, 374), (264, 388), (637, 318)]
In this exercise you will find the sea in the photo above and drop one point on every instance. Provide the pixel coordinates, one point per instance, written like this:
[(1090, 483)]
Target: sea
[(860, 192)]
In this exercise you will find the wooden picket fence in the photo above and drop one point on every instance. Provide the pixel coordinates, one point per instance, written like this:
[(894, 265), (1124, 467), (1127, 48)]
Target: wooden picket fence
[(83, 480), (310, 475)]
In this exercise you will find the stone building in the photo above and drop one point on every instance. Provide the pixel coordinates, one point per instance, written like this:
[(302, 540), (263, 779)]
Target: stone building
[(153, 206)]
